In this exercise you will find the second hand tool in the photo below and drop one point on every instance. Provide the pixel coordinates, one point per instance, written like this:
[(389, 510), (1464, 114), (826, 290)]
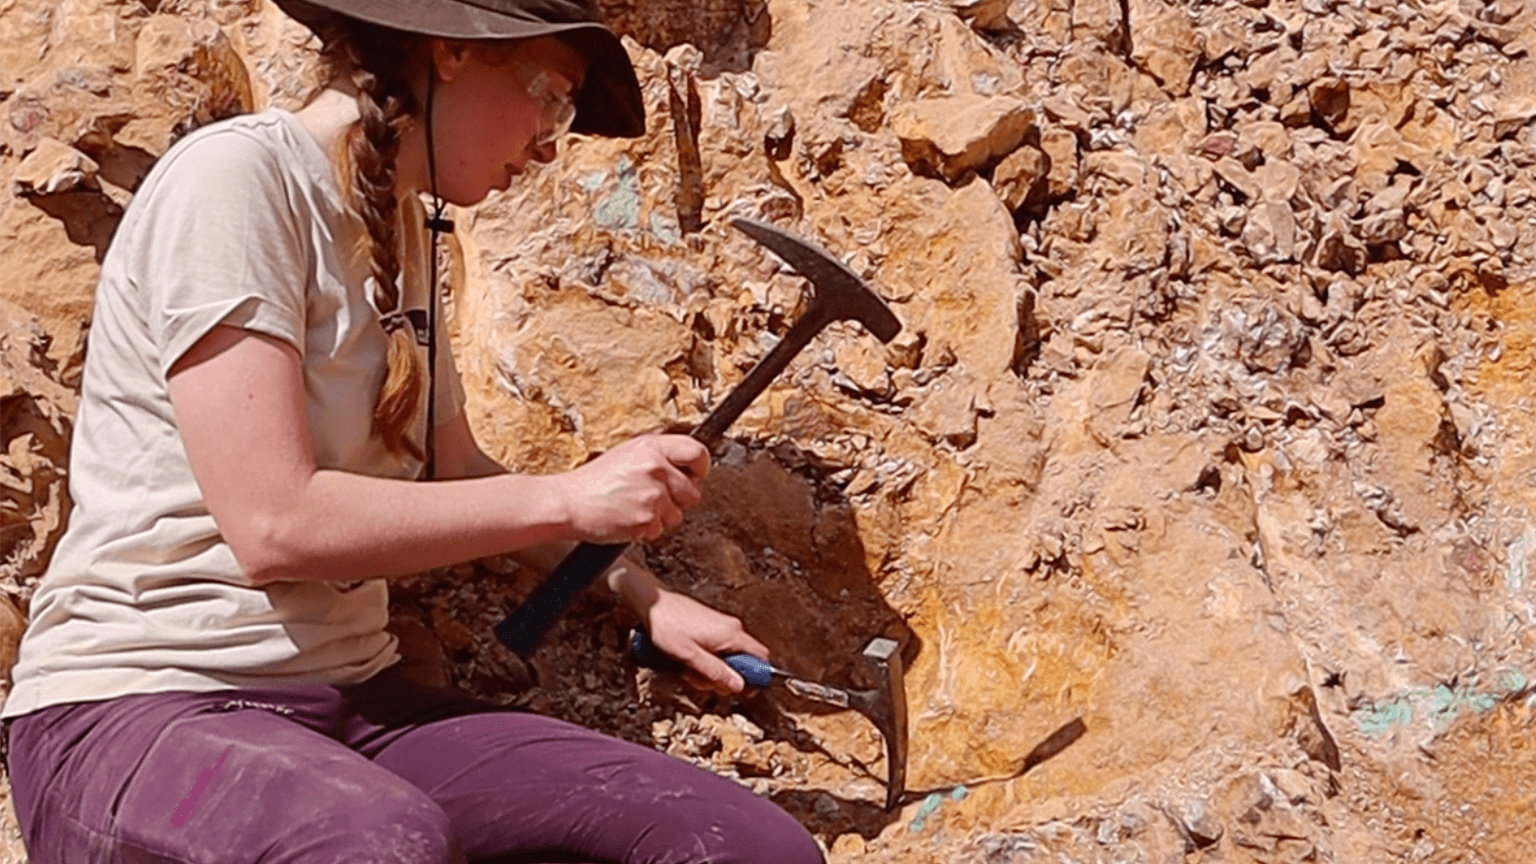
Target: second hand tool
[(885, 706)]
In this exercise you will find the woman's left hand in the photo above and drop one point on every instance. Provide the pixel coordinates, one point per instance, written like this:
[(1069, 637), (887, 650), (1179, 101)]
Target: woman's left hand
[(696, 634)]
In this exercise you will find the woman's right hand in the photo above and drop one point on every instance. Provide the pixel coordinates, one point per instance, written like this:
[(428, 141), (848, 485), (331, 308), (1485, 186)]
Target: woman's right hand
[(637, 490)]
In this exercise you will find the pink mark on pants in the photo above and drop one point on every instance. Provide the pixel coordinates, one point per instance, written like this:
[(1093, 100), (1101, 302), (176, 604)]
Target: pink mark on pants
[(183, 810)]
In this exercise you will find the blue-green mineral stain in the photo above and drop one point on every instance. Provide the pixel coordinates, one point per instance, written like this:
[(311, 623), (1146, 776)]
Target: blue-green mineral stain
[(665, 229), (932, 803), (1441, 704), (620, 210)]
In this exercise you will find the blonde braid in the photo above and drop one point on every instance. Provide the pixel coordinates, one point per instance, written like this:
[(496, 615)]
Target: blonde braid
[(376, 60)]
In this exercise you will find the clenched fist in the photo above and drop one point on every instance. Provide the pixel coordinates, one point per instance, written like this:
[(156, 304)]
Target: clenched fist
[(637, 490)]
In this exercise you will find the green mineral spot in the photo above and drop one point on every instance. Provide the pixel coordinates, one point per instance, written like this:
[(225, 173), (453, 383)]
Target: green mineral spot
[(959, 793), (1441, 699), (1380, 719), (665, 229), (621, 209)]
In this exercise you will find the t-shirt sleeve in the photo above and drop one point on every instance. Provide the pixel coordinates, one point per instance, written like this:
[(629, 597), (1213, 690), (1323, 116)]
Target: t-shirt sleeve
[(224, 247)]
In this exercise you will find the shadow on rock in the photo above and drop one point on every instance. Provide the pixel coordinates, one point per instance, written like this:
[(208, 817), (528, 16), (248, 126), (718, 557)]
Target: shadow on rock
[(779, 549), (90, 218), (728, 32), (776, 547), (827, 815)]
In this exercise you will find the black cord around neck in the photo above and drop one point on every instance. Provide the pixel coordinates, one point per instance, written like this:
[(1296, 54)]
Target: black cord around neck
[(435, 224)]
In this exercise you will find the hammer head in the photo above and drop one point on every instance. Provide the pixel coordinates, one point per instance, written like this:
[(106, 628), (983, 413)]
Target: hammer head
[(888, 711), (839, 294)]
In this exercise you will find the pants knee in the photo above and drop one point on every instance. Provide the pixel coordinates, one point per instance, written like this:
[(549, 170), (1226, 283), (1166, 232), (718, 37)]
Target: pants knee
[(390, 826), (780, 841), (754, 831)]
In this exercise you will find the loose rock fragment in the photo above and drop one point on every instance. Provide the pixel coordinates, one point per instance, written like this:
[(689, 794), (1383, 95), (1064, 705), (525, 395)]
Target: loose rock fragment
[(950, 136), (1021, 178), (54, 167)]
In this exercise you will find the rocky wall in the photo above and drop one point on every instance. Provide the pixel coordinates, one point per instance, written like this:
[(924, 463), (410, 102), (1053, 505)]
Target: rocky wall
[(1197, 488)]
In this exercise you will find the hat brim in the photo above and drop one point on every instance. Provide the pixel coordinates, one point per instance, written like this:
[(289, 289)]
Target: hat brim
[(610, 103)]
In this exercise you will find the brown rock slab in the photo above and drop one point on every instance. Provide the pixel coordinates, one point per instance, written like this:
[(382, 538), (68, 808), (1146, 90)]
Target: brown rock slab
[(949, 137), (1060, 146), (1164, 43), (54, 167), (1020, 178)]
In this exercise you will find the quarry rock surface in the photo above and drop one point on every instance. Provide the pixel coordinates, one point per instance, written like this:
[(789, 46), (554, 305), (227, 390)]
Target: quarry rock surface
[(1199, 488)]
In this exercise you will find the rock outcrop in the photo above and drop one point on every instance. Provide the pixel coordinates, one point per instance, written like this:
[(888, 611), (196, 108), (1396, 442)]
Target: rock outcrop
[(1197, 487)]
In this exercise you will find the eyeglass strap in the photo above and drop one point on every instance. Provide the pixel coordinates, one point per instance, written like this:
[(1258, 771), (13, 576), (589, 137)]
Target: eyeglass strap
[(435, 224)]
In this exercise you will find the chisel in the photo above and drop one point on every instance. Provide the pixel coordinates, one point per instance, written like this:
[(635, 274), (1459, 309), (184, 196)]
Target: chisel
[(885, 706)]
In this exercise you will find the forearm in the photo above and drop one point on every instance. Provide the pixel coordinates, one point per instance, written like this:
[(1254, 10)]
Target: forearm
[(243, 418), (346, 526)]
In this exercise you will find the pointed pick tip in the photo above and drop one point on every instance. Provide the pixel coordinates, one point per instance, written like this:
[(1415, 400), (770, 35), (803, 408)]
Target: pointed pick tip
[(869, 310)]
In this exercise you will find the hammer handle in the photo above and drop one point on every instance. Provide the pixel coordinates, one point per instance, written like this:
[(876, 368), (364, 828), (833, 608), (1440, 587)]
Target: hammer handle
[(731, 407), (522, 630), (525, 627)]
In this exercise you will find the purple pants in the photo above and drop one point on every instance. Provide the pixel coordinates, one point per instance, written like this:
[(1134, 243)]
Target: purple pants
[(384, 772)]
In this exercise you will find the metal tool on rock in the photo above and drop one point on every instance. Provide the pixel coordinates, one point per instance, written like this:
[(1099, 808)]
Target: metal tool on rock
[(885, 705), (837, 295)]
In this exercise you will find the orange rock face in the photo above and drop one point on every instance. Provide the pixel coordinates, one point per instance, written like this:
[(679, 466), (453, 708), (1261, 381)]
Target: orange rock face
[(1197, 488)]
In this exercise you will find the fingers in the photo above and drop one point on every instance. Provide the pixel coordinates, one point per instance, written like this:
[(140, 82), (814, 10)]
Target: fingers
[(743, 643), (667, 516), (726, 635), (639, 490), (686, 461), (682, 491), (697, 635), (686, 453), (708, 672)]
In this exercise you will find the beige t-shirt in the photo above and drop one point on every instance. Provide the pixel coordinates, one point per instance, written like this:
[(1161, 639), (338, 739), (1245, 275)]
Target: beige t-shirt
[(240, 223)]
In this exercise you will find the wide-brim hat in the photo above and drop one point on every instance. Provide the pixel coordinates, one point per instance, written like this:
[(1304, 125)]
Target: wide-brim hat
[(609, 103)]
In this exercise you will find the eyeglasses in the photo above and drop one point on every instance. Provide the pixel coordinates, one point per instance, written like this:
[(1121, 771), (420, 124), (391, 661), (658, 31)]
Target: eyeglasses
[(557, 111)]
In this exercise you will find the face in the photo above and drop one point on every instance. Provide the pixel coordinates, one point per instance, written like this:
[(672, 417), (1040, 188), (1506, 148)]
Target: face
[(496, 109)]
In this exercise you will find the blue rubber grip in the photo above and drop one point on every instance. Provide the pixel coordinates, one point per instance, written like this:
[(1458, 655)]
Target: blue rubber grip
[(752, 669)]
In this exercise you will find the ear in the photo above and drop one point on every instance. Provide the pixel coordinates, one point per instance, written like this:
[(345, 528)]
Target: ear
[(449, 57)]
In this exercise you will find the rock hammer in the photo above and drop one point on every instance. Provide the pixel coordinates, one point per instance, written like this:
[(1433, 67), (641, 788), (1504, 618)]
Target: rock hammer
[(885, 705), (837, 295)]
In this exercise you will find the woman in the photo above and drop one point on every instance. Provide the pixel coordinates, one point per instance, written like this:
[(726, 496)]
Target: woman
[(205, 676)]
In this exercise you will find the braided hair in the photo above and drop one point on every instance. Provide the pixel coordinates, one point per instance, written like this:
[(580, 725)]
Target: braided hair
[(378, 61)]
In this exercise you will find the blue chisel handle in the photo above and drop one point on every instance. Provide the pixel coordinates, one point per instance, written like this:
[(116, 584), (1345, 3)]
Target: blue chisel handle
[(752, 669)]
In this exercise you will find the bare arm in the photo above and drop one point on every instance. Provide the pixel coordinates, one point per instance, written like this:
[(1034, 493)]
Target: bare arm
[(459, 456), (680, 625), (240, 408)]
